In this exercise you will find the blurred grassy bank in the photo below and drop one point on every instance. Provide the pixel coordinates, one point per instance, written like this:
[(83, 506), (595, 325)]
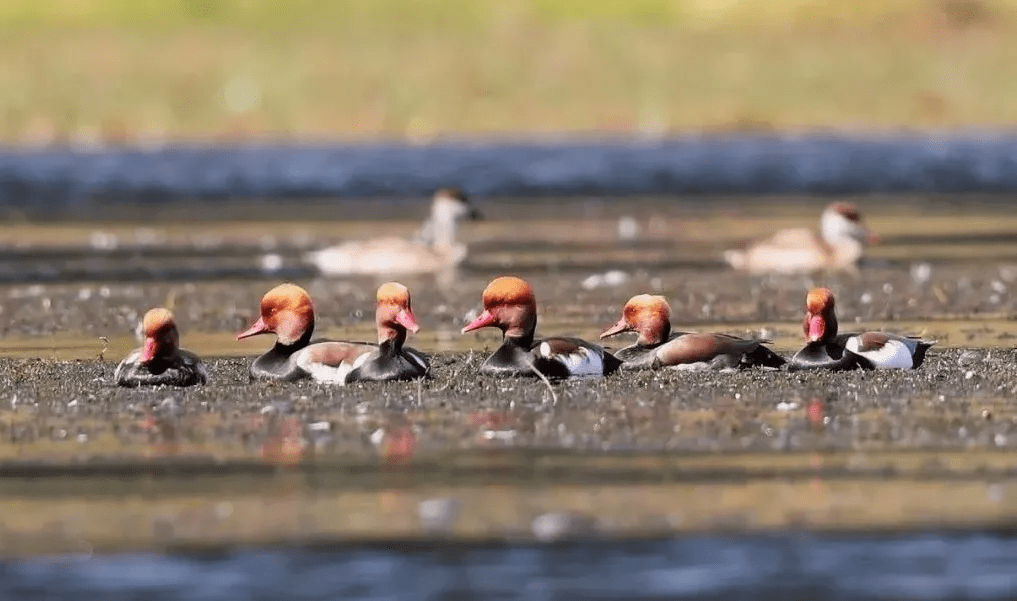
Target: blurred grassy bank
[(92, 71)]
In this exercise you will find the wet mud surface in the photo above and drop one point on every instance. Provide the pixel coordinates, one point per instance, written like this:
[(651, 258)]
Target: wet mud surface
[(959, 399)]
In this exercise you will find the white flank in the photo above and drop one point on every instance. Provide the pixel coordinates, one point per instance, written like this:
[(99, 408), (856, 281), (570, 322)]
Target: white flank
[(330, 374), (583, 362), (893, 355), (697, 366)]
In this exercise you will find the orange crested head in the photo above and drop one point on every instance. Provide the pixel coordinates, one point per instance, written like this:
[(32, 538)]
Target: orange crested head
[(506, 291), (648, 314), (156, 320), (646, 304), (820, 323), (819, 300), (286, 310), (393, 314), (393, 293), (509, 305)]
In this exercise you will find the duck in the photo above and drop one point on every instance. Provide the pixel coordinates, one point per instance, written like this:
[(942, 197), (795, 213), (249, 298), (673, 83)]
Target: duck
[(838, 247), (160, 360), (391, 360), (825, 348), (434, 247), (287, 312), (657, 346), (510, 305)]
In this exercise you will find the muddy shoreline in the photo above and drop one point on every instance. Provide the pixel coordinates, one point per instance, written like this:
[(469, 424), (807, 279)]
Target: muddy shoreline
[(958, 399)]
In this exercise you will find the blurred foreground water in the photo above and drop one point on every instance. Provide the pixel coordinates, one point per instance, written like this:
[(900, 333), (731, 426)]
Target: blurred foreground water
[(926, 566)]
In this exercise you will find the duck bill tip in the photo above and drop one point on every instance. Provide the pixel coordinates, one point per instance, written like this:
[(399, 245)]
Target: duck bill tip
[(259, 327), (617, 328), (406, 319), (483, 320), (148, 350)]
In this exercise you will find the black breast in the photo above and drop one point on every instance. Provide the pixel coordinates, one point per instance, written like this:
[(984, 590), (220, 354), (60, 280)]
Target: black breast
[(391, 363), (276, 364), (182, 369), (827, 355), (511, 359)]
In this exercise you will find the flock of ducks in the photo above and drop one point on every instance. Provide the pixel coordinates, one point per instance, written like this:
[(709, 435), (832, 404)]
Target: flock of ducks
[(509, 305)]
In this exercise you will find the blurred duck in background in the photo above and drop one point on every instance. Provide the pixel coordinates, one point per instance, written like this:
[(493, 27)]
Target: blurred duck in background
[(160, 361), (839, 246), (434, 248)]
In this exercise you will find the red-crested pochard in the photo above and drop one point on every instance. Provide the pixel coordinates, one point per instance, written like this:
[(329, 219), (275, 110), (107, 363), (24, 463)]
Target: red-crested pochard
[(657, 346), (287, 311), (510, 306), (434, 248), (839, 246), (160, 360), (825, 348)]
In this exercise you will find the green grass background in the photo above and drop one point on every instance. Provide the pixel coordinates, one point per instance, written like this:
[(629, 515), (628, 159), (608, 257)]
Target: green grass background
[(142, 71)]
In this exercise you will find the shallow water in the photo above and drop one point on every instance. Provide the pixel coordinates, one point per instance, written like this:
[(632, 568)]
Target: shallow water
[(928, 566)]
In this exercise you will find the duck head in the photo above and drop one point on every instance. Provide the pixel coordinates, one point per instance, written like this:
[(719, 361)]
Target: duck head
[(287, 312), (646, 314), (510, 306), (820, 323), (842, 221), (452, 204), (161, 336), (393, 314)]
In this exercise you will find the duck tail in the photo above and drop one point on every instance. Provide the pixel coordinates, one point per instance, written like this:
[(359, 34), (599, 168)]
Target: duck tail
[(920, 350), (611, 363), (762, 356)]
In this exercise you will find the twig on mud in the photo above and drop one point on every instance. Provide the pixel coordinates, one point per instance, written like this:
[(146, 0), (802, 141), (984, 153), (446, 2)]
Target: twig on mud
[(105, 347), (554, 395)]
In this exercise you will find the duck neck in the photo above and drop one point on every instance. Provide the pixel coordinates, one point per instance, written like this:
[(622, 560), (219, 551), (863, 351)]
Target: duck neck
[(444, 231), (391, 336), (288, 348), (654, 333), (831, 326), (520, 323), (522, 340)]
